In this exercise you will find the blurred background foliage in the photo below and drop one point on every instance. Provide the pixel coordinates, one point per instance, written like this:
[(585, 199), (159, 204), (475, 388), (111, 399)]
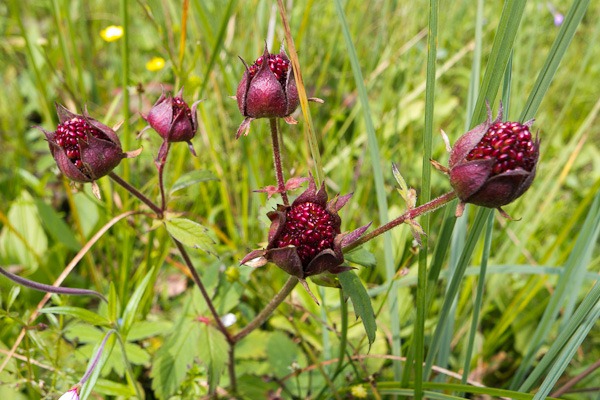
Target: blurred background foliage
[(54, 52)]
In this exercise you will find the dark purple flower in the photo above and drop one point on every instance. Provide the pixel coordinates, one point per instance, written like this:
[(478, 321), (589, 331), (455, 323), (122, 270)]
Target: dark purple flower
[(173, 119), (494, 163), (305, 238), (267, 90), (83, 148)]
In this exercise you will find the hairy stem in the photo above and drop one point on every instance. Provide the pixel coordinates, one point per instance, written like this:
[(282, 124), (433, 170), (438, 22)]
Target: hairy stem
[(268, 310), (410, 214), (277, 161), (137, 194), (198, 282)]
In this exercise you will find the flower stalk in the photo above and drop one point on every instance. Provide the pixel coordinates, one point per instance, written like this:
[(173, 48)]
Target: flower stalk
[(277, 161), (410, 214)]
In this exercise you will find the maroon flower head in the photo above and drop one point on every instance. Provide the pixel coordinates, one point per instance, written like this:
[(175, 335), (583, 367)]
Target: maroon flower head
[(305, 238), (267, 89), (83, 148), (173, 119), (494, 163)]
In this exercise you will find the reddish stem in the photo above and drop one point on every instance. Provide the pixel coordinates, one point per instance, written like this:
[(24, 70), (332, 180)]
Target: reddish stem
[(277, 161), (410, 214)]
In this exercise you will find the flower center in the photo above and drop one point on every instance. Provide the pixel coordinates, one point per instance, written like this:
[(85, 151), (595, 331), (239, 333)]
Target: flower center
[(510, 143), (180, 105), (308, 227), (277, 64), (68, 133)]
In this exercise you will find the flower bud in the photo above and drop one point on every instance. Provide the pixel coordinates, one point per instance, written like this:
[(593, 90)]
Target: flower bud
[(267, 89), (494, 163), (173, 119), (305, 238), (83, 148)]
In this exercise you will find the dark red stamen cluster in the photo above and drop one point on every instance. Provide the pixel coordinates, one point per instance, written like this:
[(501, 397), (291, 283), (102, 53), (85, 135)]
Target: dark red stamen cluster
[(178, 105), (309, 227), (68, 133), (510, 143), (277, 64)]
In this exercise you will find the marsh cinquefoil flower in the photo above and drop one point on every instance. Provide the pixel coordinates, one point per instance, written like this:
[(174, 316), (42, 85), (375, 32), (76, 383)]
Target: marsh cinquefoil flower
[(305, 238), (494, 163), (267, 90), (83, 148), (173, 119)]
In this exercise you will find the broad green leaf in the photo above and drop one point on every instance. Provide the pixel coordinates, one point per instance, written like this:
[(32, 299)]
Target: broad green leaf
[(145, 329), (111, 388), (282, 352), (30, 243), (191, 234), (56, 227), (353, 287), (134, 302), (171, 362), (361, 256), (79, 313), (212, 352), (192, 178)]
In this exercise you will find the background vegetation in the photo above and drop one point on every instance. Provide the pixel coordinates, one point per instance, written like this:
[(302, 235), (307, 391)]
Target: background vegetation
[(540, 297)]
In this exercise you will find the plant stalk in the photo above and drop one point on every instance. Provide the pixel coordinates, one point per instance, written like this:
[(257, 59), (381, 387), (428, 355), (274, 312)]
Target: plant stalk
[(277, 161), (268, 310), (410, 214), (198, 282), (137, 193)]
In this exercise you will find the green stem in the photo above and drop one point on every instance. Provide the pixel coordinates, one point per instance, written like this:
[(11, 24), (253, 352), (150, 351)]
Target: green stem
[(125, 80), (410, 214), (268, 310)]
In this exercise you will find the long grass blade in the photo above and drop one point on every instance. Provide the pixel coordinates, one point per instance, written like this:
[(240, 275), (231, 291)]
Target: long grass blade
[(379, 183)]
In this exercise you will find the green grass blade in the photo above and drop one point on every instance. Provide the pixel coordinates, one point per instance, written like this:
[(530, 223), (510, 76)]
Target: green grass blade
[(558, 50), (500, 54), (379, 183), (419, 329), (456, 280), (556, 355), (581, 254), (487, 244)]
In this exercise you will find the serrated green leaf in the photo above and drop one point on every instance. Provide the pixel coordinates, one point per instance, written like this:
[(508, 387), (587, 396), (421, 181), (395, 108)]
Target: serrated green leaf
[(191, 234), (111, 388), (353, 287), (56, 227), (79, 313), (171, 362), (213, 353), (281, 353), (361, 256), (192, 178)]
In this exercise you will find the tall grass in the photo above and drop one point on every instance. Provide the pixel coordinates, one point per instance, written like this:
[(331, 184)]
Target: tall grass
[(506, 313)]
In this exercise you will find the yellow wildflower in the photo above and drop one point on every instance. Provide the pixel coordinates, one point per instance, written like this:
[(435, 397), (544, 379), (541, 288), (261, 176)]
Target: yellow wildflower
[(112, 33), (155, 64), (359, 392)]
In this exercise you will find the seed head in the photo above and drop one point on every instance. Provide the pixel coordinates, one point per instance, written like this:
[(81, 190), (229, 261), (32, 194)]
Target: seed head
[(83, 148), (494, 163), (267, 90)]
